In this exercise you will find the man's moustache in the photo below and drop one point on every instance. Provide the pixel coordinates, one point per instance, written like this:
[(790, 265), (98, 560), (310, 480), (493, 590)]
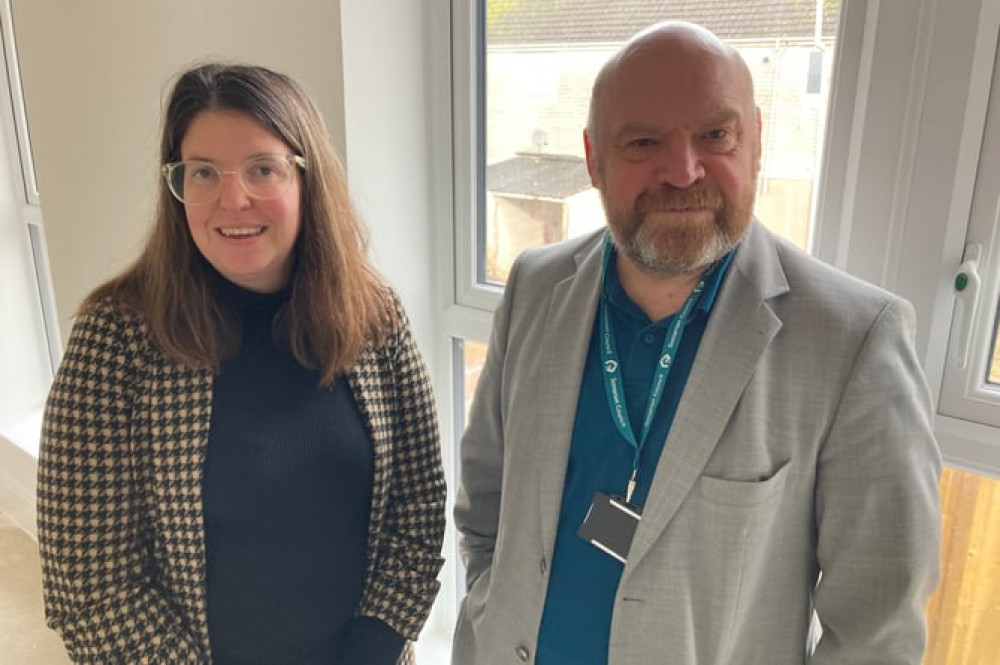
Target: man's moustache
[(675, 200)]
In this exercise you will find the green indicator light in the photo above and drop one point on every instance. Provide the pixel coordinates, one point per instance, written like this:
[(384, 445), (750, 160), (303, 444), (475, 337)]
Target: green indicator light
[(961, 281)]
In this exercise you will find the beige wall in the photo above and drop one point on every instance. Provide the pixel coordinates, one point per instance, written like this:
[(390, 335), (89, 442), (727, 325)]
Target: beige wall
[(94, 75)]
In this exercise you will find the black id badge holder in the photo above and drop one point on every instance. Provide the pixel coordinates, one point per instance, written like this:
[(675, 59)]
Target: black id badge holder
[(610, 525)]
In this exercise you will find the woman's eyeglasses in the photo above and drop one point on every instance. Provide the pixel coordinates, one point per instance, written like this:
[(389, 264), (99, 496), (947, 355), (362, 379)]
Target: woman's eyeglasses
[(196, 182)]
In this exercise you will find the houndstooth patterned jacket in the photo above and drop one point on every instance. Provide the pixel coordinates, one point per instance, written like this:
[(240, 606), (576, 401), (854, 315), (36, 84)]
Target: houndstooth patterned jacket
[(120, 525)]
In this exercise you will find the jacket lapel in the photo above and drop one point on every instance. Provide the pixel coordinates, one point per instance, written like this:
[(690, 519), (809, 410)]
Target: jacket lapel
[(372, 386), (742, 325), (569, 323), (172, 418)]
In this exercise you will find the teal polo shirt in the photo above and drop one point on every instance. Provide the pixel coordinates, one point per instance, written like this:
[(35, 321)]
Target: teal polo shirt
[(576, 620)]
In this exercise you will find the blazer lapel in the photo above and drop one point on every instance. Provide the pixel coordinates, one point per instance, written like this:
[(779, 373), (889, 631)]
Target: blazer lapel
[(570, 321), (742, 325)]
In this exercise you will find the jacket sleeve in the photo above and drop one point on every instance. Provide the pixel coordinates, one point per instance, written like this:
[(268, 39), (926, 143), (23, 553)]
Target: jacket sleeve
[(877, 505), (408, 547), (477, 504), (99, 590), (481, 467)]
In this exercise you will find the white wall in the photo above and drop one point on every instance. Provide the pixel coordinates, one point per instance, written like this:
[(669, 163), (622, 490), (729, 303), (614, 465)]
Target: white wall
[(386, 127), (94, 77), (389, 87)]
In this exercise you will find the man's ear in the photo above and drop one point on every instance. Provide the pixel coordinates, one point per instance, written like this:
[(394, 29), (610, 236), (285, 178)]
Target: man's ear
[(591, 151)]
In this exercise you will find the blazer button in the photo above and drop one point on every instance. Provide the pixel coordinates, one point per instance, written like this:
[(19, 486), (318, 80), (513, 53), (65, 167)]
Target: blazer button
[(522, 654), (542, 566)]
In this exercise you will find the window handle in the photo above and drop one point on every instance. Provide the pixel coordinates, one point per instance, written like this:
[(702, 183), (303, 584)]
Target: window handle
[(967, 289)]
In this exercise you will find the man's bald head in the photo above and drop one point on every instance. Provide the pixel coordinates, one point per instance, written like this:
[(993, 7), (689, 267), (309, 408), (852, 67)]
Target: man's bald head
[(675, 44)]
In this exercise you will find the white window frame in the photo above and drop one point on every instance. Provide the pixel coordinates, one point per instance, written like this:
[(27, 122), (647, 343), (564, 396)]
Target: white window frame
[(32, 311), (468, 97), (17, 105), (43, 280), (926, 129), (969, 410), (30, 209)]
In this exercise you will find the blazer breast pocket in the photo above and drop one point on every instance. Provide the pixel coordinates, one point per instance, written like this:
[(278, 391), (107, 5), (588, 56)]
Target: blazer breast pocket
[(748, 493)]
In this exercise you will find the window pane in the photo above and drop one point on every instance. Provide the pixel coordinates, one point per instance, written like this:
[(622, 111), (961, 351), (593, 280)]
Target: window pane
[(472, 356), (541, 59)]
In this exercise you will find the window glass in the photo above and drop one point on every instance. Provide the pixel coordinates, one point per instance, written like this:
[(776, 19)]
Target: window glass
[(541, 59), (473, 355)]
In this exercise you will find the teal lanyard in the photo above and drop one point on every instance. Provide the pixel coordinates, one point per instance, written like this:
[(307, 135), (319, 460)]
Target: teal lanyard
[(613, 383)]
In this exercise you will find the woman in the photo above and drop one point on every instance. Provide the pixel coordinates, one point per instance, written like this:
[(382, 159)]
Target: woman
[(240, 458)]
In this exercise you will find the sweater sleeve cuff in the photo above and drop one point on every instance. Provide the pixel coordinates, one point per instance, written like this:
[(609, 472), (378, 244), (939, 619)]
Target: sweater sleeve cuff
[(372, 642)]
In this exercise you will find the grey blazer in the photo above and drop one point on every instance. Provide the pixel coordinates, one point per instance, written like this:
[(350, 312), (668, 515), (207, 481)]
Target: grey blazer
[(798, 481)]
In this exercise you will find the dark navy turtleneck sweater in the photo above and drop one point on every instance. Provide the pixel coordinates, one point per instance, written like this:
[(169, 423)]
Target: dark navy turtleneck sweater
[(286, 498)]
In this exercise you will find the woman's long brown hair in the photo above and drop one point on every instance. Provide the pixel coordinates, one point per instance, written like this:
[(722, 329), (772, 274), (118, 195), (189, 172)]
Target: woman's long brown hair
[(338, 303)]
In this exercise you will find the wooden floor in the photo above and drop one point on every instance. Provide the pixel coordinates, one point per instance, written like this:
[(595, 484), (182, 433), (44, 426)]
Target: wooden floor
[(964, 614), (24, 638)]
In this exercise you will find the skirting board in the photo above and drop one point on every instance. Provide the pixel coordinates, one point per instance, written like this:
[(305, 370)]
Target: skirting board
[(18, 470)]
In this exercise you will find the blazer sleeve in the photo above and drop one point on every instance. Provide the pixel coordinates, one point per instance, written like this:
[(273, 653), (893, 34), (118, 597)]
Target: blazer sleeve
[(877, 505), (477, 504), (408, 557), (99, 590)]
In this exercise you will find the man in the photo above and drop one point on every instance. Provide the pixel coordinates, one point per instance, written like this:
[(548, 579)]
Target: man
[(690, 439)]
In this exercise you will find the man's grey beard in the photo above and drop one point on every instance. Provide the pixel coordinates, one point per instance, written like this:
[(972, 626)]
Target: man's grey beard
[(688, 249), (643, 251)]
